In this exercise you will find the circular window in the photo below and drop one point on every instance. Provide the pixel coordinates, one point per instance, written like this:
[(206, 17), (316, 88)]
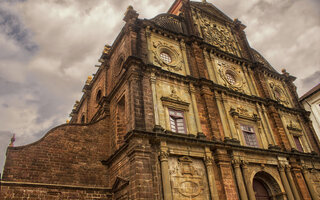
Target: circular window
[(165, 57), (277, 93), (231, 78)]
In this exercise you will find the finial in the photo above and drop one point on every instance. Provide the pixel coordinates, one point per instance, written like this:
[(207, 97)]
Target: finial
[(89, 80), (106, 49), (130, 14), (284, 72), (12, 140)]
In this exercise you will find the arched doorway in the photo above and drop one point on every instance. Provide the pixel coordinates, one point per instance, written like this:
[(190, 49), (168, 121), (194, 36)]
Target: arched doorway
[(260, 190), (266, 187)]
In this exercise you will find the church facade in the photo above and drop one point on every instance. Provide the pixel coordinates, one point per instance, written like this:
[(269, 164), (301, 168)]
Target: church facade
[(181, 107)]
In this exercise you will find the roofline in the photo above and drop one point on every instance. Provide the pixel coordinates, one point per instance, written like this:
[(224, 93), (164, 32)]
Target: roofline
[(311, 92)]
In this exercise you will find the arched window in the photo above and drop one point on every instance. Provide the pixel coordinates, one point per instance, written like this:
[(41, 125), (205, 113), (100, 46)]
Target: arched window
[(98, 96), (83, 119)]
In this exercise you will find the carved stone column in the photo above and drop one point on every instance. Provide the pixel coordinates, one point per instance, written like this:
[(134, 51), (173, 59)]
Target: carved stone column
[(222, 114), (166, 185), (212, 181), (242, 190), (285, 181), (154, 99), (184, 55), (307, 178), (291, 182), (195, 108), (247, 180)]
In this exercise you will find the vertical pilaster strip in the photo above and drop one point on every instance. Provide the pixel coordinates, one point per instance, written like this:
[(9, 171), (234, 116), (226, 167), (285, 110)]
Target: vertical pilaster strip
[(166, 185), (209, 65), (245, 72), (212, 59), (240, 183), (222, 114), (184, 55), (224, 101), (148, 34), (265, 128), (268, 124), (195, 108), (212, 181), (285, 181), (307, 178), (291, 182), (247, 180), (154, 98)]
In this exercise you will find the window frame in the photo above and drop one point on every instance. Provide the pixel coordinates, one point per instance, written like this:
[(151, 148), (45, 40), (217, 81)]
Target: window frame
[(249, 132), (176, 117)]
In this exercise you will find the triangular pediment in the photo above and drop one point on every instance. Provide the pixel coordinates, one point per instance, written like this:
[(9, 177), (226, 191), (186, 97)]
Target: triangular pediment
[(211, 10)]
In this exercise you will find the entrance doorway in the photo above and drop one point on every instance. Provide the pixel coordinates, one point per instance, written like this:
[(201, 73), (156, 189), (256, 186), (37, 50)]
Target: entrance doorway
[(260, 190)]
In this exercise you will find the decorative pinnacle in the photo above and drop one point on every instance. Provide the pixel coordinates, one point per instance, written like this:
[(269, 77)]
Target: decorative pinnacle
[(12, 140), (130, 14)]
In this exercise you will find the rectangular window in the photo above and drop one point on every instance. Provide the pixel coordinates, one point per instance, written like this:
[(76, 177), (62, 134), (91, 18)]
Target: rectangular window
[(298, 144), (249, 136), (177, 122)]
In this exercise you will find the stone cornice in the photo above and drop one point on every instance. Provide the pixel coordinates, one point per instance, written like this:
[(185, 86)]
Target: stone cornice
[(190, 139)]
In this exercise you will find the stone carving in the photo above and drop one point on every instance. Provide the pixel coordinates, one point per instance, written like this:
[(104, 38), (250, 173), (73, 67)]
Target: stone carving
[(215, 33), (176, 62), (188, 178), (242, 112), (173, 94), (164, 155), (278, 93), (225, 70), (293, 125)]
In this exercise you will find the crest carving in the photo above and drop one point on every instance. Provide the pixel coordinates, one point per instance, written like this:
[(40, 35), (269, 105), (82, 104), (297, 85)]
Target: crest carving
[(278, 93), (188, 179)]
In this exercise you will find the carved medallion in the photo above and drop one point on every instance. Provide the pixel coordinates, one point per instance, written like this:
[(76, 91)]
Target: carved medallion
[(231, 76), (167, 56), (188, 178), (278, 93)]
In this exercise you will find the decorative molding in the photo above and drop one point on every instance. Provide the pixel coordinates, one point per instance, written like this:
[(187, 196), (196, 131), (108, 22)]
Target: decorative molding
[(176, 58), (225, 68), (243, 113)]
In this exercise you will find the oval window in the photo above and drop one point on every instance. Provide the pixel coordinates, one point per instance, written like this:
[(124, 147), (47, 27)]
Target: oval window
[(165, 57), (231, 78)]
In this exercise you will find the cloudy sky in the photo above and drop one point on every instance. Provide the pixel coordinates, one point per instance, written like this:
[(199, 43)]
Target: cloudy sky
[(48, 48)]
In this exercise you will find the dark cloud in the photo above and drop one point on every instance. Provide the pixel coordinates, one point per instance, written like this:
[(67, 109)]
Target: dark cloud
[(11, 26)]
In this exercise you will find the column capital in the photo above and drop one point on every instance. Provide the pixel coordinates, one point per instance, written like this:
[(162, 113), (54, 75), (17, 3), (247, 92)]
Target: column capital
[(281, 167), (164, 155), (244, 164), (208, 160), (236, 162)]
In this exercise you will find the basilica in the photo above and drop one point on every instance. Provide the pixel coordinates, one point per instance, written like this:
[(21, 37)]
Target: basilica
[(181, 107)]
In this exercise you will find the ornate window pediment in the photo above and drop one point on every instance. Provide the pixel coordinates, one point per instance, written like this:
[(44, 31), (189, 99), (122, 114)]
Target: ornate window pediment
[(243, 113)]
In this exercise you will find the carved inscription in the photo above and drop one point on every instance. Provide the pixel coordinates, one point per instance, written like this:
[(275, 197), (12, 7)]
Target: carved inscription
[(188, 178)]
